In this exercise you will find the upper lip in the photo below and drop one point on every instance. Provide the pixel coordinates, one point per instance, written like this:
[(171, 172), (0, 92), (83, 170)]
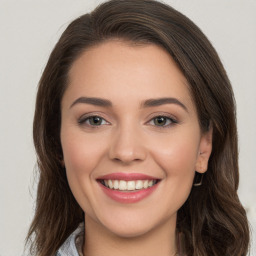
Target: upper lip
[(126, 176)]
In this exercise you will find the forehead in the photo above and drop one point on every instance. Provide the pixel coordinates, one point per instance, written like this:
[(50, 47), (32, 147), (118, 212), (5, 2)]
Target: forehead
[(117, 69)]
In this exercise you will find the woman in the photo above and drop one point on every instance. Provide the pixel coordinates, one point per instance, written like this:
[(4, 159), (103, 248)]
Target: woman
[(136, 138)]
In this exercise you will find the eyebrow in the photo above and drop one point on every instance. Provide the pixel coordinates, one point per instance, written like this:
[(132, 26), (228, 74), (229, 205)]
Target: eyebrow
[(93, 101), (147, 103), (162, 101)]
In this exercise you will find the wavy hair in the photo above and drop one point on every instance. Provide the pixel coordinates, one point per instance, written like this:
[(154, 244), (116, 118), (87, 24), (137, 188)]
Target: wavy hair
[(212, 219)]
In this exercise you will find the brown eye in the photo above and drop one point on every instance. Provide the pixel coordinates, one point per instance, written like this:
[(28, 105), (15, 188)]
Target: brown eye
[(160, 121), (92, 121), (95, 120)]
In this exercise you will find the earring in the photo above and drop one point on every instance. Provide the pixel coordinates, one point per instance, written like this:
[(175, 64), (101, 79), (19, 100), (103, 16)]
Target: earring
[(198, 180)]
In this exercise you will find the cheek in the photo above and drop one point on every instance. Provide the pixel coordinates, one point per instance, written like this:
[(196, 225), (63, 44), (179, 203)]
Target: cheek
[(177, 154), (81, 157), (177, 158), (81, 154)]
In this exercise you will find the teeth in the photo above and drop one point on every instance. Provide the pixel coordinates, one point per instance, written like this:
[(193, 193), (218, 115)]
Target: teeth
[(116, 184), (122, 185), (110, 184), (145, 184), (139, 184), (129, 185)]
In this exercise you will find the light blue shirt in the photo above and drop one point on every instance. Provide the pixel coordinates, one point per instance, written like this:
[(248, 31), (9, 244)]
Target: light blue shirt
[(73, 245)]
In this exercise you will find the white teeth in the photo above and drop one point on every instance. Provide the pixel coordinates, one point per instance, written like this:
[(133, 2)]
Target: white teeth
[(122, 185), (145, 184), (139, 184), (116, 184), (129, 185), (110, 184)]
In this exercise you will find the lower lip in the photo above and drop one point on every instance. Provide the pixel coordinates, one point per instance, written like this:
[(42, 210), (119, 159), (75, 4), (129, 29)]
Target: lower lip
[(128, 197)]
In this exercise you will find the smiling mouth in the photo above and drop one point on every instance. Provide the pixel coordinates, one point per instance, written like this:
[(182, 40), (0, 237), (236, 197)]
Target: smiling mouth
[(128, 186)]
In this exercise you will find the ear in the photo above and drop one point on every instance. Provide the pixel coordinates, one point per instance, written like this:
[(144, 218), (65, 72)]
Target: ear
[(204, 152)]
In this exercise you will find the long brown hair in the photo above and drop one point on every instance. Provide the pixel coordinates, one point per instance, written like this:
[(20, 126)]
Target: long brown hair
[(212, 219)]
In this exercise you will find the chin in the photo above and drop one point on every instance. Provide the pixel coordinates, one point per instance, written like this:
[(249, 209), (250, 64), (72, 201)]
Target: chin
[(129, 232), (135, 224)]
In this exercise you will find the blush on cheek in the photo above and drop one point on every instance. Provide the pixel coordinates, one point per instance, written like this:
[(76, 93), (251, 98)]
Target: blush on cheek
[(177, 159), (80, 152)]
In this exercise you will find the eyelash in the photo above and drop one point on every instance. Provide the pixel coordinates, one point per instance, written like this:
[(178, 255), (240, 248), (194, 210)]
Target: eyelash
[(171, 120)]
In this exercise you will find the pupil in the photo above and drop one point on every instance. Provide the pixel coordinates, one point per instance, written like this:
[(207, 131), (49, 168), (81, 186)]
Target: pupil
[(160, 121), (95, 120)]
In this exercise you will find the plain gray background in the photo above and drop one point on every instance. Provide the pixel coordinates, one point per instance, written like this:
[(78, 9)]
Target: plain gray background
[(28, 31)]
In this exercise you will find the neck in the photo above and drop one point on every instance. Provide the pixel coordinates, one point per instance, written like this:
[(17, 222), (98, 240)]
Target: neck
[(100, 241)]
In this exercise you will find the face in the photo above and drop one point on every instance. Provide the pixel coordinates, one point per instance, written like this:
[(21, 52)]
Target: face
[(130, 137)]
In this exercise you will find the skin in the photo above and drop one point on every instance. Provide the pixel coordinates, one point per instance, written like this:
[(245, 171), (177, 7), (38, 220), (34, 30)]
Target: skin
[(130, 140)]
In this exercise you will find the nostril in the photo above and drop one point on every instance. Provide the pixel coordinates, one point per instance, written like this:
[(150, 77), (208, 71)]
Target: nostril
[(126, 160)]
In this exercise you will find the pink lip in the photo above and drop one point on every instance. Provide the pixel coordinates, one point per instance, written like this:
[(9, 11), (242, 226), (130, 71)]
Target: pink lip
[(126, 176), (127, 197)]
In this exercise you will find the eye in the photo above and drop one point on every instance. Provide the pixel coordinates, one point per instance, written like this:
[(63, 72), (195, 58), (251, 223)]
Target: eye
[(93, 121), (162, 121)]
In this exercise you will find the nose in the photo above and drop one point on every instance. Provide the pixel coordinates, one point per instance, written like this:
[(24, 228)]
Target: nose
[(127, 146)]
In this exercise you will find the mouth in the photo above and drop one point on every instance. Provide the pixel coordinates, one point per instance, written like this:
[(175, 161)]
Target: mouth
[(128, 186)]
